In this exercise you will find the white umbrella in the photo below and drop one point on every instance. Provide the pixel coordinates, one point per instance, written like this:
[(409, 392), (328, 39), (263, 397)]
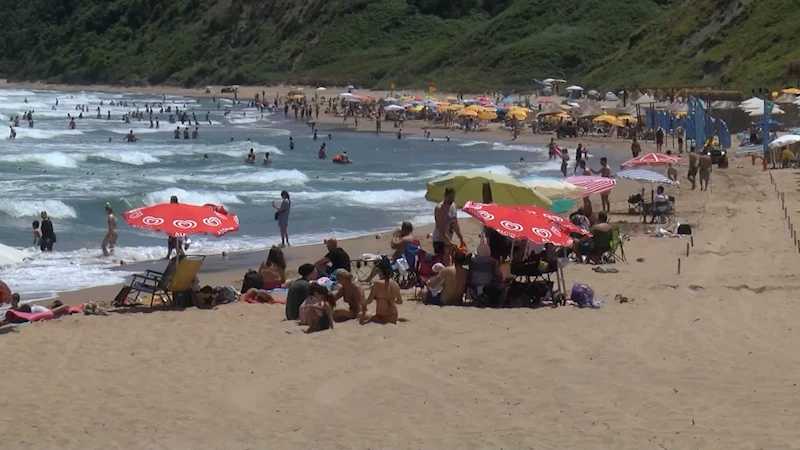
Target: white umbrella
[(394, 108), (559, 80), (787, 139), (321, 89), (611, 97), (390, 99), (752, 103), (346, 94), (644, 176), (548, 80), (760, 111), (574, 88)]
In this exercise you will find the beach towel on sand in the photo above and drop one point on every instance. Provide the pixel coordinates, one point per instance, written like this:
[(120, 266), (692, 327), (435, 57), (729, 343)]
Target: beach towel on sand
[(20, 317)]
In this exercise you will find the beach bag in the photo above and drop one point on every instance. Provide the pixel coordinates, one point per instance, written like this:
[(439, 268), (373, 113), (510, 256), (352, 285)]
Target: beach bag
[(252, 279), (583, 296), (277, 215)]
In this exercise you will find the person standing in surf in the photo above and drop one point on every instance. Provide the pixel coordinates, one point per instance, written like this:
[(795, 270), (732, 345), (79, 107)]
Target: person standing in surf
[(110, 239), (48, 234), (282, 216)]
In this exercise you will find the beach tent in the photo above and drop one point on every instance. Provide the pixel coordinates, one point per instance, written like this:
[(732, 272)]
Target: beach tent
[(611, 97), (591, 110), (645, 99)]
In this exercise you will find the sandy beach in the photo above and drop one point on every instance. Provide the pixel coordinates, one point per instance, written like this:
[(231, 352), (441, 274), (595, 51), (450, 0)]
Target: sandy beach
[(700, 359)]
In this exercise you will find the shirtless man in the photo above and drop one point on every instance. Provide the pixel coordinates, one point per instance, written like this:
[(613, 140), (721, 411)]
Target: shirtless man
[(604, 172), (251, 157), (446, 219), (130, 137), (386, 294), (452, 281), (267, 160), (110, 239), (692, 175), (704, 166)]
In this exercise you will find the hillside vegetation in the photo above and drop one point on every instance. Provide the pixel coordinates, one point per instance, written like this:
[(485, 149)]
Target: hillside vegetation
[(742, 44), (457, 44)]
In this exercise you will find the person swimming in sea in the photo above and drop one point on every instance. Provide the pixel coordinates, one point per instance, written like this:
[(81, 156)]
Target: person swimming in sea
[(130, 137), (291, 143), (267, 160), (251, 157), (322, 154)]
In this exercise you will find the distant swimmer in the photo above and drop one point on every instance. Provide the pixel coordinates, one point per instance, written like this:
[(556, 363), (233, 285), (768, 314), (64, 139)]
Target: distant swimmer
[(110, 239), (177, 132), (71, 123), (205, 156), (322, 154), (251, 157), (447, 138), (330, 136), (13, 134), (315, 135), (130, 137), (400, 134), (157, 124), (291, 143), (186, 133), (267, 160), (341, 158), (207, 118), (195, 133)]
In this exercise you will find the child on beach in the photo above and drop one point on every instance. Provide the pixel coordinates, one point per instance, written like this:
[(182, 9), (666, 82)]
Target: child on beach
[(386, 294), (316, 311), (37, 233)]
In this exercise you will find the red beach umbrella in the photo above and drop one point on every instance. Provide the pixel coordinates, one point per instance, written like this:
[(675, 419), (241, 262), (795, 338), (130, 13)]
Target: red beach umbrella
[(592, 184), (565, 225), (652, 159), (517, 223), (182, 219), (5, 292)]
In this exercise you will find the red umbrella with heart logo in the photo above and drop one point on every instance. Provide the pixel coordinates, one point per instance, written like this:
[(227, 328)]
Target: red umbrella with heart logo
[(182, 219), (519, 223)]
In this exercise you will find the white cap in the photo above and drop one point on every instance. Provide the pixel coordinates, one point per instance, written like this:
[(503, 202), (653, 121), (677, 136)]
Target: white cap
[(437, 267)]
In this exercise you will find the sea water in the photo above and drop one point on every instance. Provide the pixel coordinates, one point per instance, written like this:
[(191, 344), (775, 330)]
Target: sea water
[(71, 174)]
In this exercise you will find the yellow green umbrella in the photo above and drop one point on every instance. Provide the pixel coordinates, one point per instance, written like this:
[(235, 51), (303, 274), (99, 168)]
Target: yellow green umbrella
[(469, 186), (468, 112), (518, 115), (487, 115), (793, 91)]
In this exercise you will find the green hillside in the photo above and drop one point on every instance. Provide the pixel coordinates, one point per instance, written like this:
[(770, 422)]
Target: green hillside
[(457, 44), (740, 44)]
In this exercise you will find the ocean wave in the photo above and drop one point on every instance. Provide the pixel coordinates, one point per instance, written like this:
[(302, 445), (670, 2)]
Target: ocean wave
[(31, 208), (389, 199), (241, 149), (126, 157), (519, 148), (36, 133), (473, 143), (52, 159), (192, 197), (241, 120)]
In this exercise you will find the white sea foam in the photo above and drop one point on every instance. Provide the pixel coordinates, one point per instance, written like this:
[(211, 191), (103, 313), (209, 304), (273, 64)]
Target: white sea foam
[(126, 157), (519, 148), (261, 176), (52, 159), (31, 208), (241, 120), (192, 197), (36, 133), (473, 143)]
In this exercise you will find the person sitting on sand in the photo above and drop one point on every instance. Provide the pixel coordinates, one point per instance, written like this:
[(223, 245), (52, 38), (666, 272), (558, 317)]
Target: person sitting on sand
[(353, 295), (449, 284), (386, 294), (299, 291), (316, 310), (273, 269), (257, 295), (594, 244), (336, 258)]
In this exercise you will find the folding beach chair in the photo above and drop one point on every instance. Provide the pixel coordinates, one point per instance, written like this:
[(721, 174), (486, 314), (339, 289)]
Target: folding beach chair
[(177, 277), (408, 278), (424, 269), (615, 252)]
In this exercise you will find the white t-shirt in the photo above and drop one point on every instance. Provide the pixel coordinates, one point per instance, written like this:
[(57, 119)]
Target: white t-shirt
[(36, 309)]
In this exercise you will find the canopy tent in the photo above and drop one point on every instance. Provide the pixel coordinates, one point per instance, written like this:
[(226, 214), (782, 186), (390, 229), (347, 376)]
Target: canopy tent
[(611, 97)]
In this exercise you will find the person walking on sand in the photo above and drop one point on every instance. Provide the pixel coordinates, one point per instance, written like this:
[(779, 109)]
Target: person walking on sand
[(564, 161), (282, 216), (704, 166), (604, 172), (692, 175), (110, 239), (636, 148)]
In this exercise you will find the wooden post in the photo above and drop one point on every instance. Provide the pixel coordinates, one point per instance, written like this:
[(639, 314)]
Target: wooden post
[(691, 240), (687, 250), (679, 266)]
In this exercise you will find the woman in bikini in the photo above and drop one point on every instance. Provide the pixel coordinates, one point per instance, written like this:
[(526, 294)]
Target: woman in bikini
[(386, 294), (353, 295), (273, 269)]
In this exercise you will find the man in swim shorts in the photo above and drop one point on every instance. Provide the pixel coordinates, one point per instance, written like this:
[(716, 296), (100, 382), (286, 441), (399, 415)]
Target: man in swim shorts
[(704, 164), (445, 217)]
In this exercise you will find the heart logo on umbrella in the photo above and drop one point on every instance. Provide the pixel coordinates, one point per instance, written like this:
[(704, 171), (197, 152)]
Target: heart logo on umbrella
[(511, 226), (184, 224), (135, 214), (212, 221), (485, 215), (152, 221), (541, 232)]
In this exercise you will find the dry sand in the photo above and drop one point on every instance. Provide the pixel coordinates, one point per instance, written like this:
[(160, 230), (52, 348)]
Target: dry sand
[(704, 359)]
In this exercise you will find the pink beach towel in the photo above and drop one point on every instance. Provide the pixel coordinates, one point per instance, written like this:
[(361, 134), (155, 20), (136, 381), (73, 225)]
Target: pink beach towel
[(20, 317)]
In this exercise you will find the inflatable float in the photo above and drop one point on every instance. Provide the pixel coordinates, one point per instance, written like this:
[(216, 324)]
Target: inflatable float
[(341, 159)]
